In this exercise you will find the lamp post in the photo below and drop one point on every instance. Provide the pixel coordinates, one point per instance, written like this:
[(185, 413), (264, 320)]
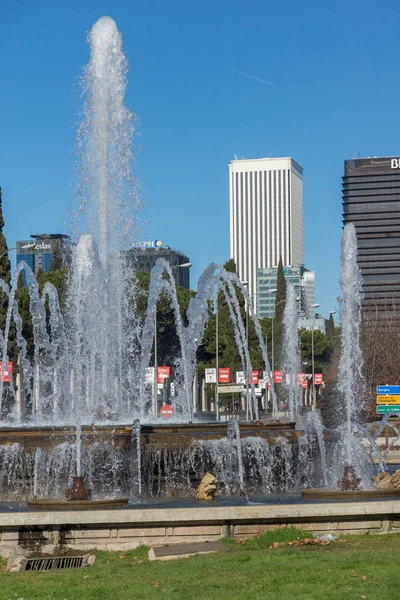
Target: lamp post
[(274, 291), (26, 247), (312, 356), (331, 312), (304, 363), (216, 360), (155, 379), (246, 283)]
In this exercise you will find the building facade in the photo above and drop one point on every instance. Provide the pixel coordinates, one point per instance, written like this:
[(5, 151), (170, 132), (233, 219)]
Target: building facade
[(304, 285), (144, 256), (371, 200), (266, 215), (38, 251), (313, 323)]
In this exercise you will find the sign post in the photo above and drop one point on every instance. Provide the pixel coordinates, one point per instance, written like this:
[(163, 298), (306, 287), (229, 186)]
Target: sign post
[(387, 399), (7, 372)]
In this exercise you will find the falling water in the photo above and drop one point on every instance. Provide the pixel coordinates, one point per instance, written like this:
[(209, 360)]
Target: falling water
[(314, 423), (89, 361), (105, 142), (291, 353), (350, 380), (38, 453), (233, 434), (136, 462), (78, 446)]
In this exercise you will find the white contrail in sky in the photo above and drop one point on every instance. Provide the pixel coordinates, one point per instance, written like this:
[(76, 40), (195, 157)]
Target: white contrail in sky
[(251, 76)]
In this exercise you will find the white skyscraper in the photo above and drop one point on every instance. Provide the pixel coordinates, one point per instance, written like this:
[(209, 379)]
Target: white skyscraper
[(266, 215)]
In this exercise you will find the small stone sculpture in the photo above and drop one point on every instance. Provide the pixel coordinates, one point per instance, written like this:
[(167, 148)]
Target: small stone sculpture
[(396, 479), (207, 488), (385, 481), (349, 481)]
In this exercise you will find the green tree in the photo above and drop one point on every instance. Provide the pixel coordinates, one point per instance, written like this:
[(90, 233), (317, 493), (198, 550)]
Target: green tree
[(331, 329), (228, 353), (57, 261), (168, 344), (25, 314), (322, 350), (280, 303), (5, 274), (58, 278)]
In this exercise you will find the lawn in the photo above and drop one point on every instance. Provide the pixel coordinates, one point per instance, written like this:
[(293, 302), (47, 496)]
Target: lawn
[(363, 567)]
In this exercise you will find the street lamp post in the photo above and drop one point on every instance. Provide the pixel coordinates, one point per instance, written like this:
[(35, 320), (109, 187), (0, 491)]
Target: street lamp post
[(26, 247), (216, 360), (274, 291), (155, 379), (246, 283), (331, 312), (312, 357)]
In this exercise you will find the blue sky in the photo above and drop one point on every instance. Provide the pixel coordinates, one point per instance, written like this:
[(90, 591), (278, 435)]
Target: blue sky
[(334, 66)]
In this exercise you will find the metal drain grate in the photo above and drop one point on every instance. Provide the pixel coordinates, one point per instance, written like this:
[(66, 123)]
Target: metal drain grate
[(54, 562)]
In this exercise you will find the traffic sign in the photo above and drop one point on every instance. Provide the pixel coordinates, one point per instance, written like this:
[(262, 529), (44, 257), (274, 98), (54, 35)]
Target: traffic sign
[(388, 389), (230, 388), (388, 399), (381, 410), (167, 411)]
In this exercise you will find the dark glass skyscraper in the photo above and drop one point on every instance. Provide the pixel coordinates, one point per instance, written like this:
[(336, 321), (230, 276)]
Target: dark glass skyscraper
[(371, 200), (145, 255)]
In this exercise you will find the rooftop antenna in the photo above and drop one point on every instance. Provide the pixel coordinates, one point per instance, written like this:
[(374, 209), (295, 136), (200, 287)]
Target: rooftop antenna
[(235, 156)]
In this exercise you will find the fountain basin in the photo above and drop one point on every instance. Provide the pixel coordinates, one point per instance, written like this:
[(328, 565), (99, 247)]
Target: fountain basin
[(326, 494), (41, 461), (175, 523), (151, 435), (55, 504)]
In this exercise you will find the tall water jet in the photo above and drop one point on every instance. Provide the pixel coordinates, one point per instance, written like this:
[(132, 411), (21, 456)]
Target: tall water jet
[(97, 312), (291, 353), (350, 379), (105, 141)]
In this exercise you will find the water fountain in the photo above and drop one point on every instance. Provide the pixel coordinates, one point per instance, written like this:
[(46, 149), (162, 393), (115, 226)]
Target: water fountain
[(349, 472), (85, 420), (291, 353), (70, 425)]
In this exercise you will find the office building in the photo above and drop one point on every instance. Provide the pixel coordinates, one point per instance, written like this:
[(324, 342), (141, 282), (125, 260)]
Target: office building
[(371, 200), (266, 216), (143, 257), (304, 285), (313, 323), (38, 254)]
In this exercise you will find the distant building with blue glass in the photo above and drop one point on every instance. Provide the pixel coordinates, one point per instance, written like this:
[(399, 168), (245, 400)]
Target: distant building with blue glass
[(38, 254)]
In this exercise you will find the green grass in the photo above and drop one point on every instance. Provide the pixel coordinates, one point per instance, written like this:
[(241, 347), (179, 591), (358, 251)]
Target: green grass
[(264, 541), (364, 567)]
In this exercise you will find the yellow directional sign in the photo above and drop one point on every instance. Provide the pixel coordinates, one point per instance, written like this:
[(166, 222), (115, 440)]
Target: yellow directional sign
[(388, 399)]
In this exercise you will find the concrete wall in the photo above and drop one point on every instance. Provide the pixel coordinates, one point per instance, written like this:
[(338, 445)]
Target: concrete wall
[(124, 529)]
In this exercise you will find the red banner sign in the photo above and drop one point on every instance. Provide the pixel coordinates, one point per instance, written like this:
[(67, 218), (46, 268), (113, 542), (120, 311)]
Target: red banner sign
[(7, 373), (167, 411), (300, 378), (224, 375), (163, 373), (278, 376), (317, 378), (254, 375)]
